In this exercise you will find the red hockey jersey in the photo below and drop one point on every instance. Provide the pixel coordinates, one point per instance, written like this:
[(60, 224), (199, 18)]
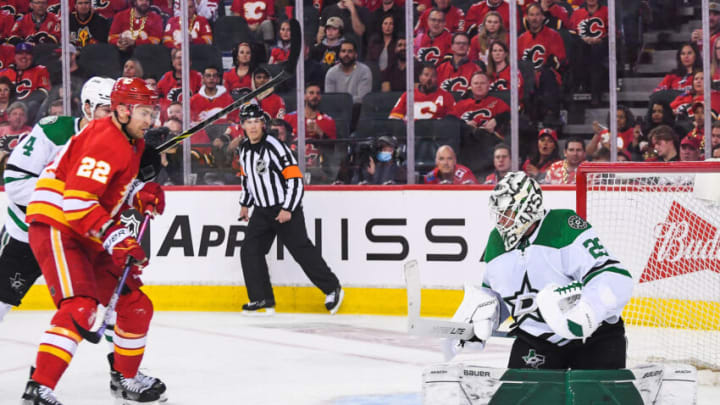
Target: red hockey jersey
[(324, 121), (675, 82), (232, 81), (501, 82), (274, 106), (454, 20), (587, 25), (427, 106), (169, 88), (432, 50), (539, 48), (457, 79), (254, 11), (480, 111), (47, 32), (462, 175), (7, 55), (278, 54), (200, 32), (145, 30), (476, 14), (29, 80), (87, 184), (7, 21), (108, 8)]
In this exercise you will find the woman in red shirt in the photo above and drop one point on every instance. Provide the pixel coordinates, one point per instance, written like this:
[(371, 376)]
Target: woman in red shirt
[(239, 77), (544, 155)]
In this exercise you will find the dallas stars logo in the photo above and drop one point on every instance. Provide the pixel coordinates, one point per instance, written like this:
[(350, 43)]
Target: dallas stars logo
[(523, 304), (533, 359), (17, 282)]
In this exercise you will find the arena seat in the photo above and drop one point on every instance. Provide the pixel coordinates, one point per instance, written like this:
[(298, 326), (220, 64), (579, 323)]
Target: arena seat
[(100, 60), (202, 56), (378, 105), (155, 59), (230, 30)]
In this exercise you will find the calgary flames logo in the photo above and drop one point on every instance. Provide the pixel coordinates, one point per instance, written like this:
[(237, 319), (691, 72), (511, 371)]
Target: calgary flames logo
[(23, 88), (591, 28), (480, 115), (500, 85), (536, 55), (429, 54), (459, 83)]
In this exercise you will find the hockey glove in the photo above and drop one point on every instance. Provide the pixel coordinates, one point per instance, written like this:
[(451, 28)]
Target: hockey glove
[(150, 197), (565, 312), (481, 309), (123, 248)]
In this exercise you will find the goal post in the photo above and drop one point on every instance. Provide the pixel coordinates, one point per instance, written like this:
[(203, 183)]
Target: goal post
[(662, 220)]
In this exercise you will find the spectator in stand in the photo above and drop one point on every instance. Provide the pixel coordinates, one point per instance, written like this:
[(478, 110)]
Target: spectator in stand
[(501, 163), (447, 170), (170, 84), (696, 36), (317, 124), (87, 27), (151, 82), (272, 105), (681, 106), (393, 78), (349, 76), (380, 168), (544, 48), (7, 93), (665, 142), (172, 159), (499, 69), (132, 68), (476, 14), (492, 30), (715, 64), (432, 46), (589, 27), (352, 14), (659, 114), (280, 52), (239, 77), (56, 107), (200, 30), (388, 8), (326, 51), (31, 81), (211, 98), (691, 149), (16, 125), (455, 72), (36, 27), (715, 134), (545, 154), (680, 79), (7, 20), (135, 26), (7, 55), (259, 15), (454, 18), (629, 132), (381, 44), (431, 102), (174, 110), (486, 114), (556, 16), (281, 130), (564, 171), (206, 8), (109, 8)]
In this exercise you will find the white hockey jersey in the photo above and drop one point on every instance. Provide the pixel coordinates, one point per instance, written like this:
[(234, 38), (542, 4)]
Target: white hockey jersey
[(34, 151), (564, 248)]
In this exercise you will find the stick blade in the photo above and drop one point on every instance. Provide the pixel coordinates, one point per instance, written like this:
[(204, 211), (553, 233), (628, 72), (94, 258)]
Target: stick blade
[(92, 337), (295, 45)]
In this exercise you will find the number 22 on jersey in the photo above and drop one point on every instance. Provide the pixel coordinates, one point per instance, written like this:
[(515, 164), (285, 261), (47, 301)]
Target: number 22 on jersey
[(97, 170)]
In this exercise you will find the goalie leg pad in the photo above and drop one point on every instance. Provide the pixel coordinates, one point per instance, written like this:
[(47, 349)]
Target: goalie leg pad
[(459, 384), (666, 384)]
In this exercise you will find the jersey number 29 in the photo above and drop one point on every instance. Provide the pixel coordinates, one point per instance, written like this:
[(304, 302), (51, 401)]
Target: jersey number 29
[(97, 170)]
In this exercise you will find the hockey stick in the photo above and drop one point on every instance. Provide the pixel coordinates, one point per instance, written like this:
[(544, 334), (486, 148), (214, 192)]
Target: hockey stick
[(424, 326), (94, 337), (287, 72)]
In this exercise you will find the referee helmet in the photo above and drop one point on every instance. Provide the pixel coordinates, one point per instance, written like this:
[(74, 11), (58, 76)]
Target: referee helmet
[(251, 111)]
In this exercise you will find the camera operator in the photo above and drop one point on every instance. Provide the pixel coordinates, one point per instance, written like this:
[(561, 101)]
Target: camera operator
[(374, 162)]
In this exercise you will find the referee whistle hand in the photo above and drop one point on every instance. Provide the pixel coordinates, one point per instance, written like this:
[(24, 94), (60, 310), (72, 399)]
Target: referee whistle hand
[(283, 216), (243, 214)]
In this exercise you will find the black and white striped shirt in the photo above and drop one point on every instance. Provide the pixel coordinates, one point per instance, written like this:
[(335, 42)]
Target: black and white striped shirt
[(270, 175)]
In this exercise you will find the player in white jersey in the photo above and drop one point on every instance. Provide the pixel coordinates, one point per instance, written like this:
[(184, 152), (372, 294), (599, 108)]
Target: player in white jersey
[(550, 272), (18, 267)]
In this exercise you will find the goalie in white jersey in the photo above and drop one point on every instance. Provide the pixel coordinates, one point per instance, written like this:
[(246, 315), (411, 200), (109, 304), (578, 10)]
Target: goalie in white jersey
[(550, 272), (18, 267)]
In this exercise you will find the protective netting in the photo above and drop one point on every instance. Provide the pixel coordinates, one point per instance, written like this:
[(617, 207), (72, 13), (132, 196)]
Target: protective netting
[(667, 237)]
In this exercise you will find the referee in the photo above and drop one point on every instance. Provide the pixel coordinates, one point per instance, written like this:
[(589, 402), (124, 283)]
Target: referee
[(273, 183)]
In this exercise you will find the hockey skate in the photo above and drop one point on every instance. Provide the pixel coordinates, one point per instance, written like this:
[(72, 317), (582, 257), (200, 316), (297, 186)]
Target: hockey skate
[(334, 300), (259, 308), (150, 382), (36, 394)]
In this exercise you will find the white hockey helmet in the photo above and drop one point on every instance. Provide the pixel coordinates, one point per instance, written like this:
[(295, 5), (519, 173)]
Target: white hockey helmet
[(516, 204), (96, 91)]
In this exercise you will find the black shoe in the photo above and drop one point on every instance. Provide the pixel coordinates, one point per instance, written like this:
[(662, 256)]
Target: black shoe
[(334, 300), (259, 308), (152, 382), (36, 394)]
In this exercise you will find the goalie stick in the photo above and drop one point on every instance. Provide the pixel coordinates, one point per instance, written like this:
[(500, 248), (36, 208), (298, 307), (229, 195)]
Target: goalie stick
[(287, 72), (94, 337), (418, 325)]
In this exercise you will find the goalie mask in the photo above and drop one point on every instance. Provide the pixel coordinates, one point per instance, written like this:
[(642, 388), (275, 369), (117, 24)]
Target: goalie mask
[(516, 204)]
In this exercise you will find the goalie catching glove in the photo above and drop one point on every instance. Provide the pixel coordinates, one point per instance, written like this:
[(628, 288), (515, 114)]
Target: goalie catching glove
[(565, 311), (479, 308)]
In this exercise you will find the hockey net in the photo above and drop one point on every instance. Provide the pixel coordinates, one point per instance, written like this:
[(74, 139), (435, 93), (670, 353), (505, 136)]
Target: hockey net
[(662, 220)]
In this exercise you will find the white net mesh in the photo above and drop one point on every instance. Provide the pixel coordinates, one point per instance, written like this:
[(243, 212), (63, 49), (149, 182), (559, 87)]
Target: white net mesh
[(668, 238)]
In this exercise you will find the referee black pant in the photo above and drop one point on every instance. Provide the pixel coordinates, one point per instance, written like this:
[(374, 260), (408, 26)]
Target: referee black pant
[(261, 231)]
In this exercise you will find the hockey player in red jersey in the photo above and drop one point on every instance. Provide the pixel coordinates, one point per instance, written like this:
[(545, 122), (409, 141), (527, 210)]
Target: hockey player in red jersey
[(431, 102), (81, 247)]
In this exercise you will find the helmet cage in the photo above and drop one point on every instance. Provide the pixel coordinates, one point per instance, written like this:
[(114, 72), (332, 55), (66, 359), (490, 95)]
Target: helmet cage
[(515, 204)]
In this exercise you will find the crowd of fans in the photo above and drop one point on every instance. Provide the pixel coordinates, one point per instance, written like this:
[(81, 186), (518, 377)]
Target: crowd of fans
[(358, 48)]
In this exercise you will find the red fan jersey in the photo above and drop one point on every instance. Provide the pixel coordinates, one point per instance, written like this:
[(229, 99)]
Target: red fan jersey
[(539, 48), (46, 32), (480, 111), (254, 11), (200, 32), (558, 173), (29, 80), (462, 175), (232, 81), (278, 54), (7, 55), (587, 25), (324, 121), (87, 184), (108, 8), (454, 20), (683, 103), (476, 14), (427, 106), (273, 106), (432, 50), (501, 81), (169, 88), (675, 82), (7, 20), (202, 107), (15, 7), (145, 30), (452, 78)]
